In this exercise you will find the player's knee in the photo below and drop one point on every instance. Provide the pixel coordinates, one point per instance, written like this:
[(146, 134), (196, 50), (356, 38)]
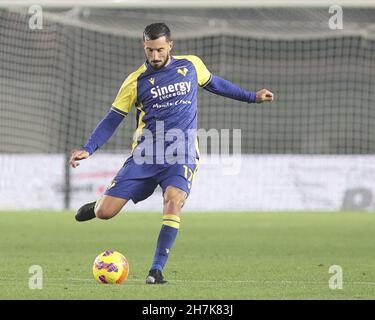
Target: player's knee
[(103, 213), (108, 207)]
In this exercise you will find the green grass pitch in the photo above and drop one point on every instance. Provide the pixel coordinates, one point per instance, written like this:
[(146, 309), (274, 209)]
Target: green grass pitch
[(216, 255)]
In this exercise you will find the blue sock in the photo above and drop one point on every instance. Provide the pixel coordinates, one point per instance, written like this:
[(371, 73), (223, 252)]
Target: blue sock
[(166, 239)]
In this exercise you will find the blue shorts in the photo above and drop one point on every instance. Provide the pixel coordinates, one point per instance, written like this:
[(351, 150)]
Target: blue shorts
[(137, 182)]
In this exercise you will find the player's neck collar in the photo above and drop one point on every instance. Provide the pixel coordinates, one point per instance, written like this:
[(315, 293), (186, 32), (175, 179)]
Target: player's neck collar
[(170, 62)]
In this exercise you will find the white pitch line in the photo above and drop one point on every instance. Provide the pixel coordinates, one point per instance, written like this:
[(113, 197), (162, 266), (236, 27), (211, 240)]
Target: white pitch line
[(246, 281), (227, 281)]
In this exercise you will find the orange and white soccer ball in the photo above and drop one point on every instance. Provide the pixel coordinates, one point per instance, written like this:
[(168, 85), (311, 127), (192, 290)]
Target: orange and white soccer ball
[(110, 267)]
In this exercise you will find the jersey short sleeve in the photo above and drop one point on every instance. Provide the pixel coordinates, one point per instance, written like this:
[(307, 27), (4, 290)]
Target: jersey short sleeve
[(127, 95), (203, 75)]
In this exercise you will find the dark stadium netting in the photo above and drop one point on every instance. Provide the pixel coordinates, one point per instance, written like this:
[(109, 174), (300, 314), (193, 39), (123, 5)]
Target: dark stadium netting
[(58, 82)]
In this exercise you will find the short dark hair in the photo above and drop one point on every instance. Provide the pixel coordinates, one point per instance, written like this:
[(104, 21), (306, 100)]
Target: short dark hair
[(155, 31)]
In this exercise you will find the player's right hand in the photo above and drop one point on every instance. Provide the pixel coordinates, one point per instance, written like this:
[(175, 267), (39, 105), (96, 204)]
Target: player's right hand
[(78, 155)]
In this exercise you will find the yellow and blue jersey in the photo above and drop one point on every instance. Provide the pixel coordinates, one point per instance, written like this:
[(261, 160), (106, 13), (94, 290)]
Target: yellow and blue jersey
[(168, 95), (166, 103)]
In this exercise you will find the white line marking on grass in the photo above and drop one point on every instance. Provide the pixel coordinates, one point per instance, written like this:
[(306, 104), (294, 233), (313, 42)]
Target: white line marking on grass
[(244, 281), (227, 281)]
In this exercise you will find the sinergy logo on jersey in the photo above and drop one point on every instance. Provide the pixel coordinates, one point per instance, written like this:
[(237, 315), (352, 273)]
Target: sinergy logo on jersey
[(172, 90)]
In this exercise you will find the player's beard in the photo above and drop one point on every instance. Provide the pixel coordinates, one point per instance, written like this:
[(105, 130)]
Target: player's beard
[(161, 65)]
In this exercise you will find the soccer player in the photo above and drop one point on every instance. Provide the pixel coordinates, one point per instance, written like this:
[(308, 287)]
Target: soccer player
[(164, 91)]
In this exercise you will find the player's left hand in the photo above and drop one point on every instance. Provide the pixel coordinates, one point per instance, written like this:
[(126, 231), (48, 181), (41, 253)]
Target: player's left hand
[(264, 95), (76, 156)]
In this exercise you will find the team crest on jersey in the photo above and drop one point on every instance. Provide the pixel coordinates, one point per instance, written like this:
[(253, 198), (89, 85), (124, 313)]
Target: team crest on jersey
[(152, 80), (183, 71), (111, 185)]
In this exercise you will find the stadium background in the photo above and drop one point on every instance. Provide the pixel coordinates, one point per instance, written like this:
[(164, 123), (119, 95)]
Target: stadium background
[(312, 149), (59, 81)]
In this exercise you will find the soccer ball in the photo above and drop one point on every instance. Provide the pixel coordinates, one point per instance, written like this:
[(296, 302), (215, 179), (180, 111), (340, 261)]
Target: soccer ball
[(110, 267)]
